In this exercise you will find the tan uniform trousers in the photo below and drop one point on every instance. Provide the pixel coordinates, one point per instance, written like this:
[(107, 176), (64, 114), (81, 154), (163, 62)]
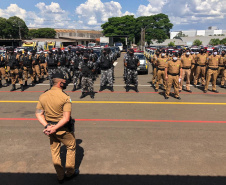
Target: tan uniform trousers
[(221, 71), (154, 75), (68, 139), (3, 73), (200, 70), (8, 72), (175, 81), (27, 71), (36, 71), (160, 76), (185, 74), (43, 67), (193, 73), (14, 73), (213, 74)]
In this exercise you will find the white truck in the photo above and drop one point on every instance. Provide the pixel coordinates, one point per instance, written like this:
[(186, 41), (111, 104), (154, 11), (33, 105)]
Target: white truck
[(104, 41)]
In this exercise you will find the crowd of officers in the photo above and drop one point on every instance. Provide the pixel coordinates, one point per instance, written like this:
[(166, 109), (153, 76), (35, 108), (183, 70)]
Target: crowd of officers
[(175, 68)]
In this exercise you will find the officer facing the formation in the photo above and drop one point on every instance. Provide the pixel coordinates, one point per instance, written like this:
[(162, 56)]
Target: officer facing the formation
[(27, 67), (131, 64), (13, 67), (187, 61), (212, 66), (54, 113), (52, 66), (3, 72), (173, 73), (161, 64), (105, 64), (86, 67), (221, 69)]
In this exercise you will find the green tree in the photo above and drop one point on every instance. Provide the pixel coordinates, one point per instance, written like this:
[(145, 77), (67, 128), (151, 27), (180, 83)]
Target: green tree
[(42, 33), (223, 41), (17, 28), (172, 44), (179, 35), (4, 26), (156, 27), (214, 42), (197, 42)]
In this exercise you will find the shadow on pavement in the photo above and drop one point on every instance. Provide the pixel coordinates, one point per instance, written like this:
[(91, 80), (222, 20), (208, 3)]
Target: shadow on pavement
[(99, 179)]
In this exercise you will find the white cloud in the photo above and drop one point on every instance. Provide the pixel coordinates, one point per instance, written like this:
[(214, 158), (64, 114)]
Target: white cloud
[(93, 13), (13, 10)]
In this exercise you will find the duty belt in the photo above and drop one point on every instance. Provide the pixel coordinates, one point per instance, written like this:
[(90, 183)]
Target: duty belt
[(213, 68), (221, 66), (186, 67), (201, 65), (173, 74), (52, 123), (161, 69)]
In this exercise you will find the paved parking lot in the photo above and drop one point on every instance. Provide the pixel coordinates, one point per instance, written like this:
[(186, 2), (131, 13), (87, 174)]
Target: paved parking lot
[(122, 138)]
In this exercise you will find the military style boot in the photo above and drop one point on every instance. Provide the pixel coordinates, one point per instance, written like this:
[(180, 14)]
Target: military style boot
[(0, 83), (111, 89), (92, 95), (74, 89), (13, 87), (83, 95), (127, 88), (21, 87), (25, 84), (101, 88), (8, 82), (136, 88)]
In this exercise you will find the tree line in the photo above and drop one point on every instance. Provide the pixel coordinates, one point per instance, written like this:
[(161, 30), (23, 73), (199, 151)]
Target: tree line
[(157, 27), (15, 28)]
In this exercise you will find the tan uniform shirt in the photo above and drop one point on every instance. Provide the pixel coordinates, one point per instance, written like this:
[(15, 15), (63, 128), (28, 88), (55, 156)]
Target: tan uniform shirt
[(155, 58), (187, 61), (54, 102), (213, 61), (161, 63), (201, 59), (222, 61), (173, 67)]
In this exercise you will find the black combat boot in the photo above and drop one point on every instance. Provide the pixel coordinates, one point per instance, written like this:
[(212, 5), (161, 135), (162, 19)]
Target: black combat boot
[(111, 89), (101, 88), (83, 95), (136, 88), (13, 87), (8, 82), (127, 88), (92, 95), (40, 80), (25, 84), (0, 83), (74, 89), (21, 87)]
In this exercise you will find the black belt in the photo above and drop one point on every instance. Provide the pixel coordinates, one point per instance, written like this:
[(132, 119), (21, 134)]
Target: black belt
[(221, 66), (213, 68), (186, 67), (173, 74), (202, 65), (161, 69), (52, 123)]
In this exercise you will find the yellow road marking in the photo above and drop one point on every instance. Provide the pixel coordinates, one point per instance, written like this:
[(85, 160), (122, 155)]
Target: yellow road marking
[(125, 102)]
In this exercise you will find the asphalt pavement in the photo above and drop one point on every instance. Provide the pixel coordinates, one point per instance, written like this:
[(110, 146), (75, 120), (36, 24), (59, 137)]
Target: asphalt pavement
[(122, 138)]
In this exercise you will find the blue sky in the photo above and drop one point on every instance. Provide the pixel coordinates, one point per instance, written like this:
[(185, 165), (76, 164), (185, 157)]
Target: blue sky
[(90, 14)]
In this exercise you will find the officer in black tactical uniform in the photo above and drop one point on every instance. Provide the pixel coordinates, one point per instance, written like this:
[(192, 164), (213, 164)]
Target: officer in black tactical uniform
[(27, 67), (69, 62), (52, 66), (87, 68), (105, 64), (131, 64)]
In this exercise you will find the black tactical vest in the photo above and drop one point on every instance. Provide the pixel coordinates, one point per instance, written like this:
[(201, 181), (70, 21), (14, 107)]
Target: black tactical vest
[(132, 62), (12, 61), (26, 61), (105, 62), (86, 71)]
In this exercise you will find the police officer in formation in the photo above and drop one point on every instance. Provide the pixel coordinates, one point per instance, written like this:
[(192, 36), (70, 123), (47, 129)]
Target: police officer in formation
[(105, 64), (87, 68), (131, 64)]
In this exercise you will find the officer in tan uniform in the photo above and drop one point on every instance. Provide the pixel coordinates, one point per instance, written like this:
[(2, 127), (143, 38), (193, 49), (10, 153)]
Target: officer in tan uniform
[(212, 64), (54, 113), (35, 66), (173, 73), (193, 68), (2, 71), (154, 60), (201, 67), (187, 61), (221, 69), (161, 64), (43, 64)]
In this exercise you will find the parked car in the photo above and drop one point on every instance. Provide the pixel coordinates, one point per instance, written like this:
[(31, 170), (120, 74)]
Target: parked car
[(144, 64)]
